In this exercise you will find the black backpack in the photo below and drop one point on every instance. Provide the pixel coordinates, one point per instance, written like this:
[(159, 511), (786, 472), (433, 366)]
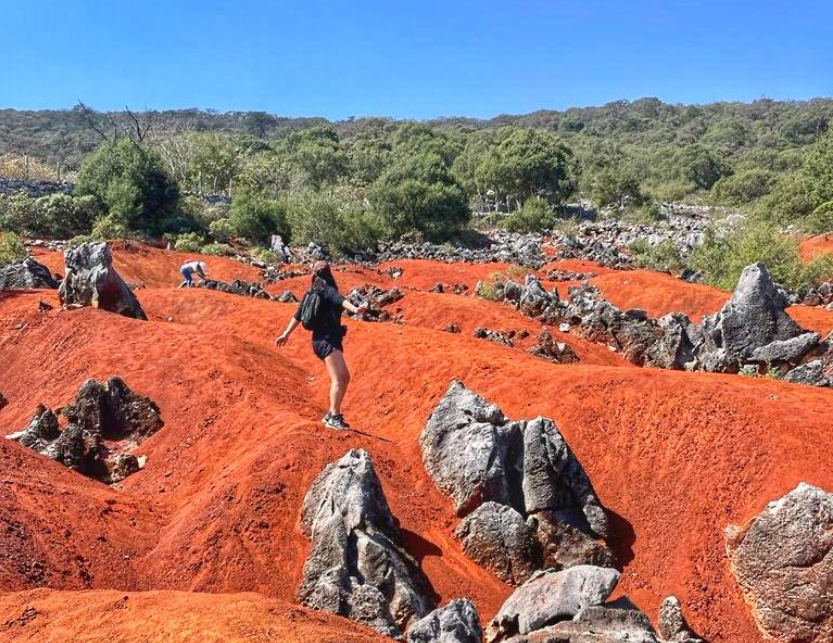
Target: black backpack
[(310, 309)]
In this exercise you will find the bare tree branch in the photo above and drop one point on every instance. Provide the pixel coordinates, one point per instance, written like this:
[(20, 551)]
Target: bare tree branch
[(88, 114)]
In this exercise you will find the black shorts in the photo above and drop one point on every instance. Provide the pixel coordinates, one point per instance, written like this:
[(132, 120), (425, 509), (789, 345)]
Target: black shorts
[(323, 347)]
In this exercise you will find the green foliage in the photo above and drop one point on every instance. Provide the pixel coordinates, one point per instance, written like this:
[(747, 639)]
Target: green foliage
[(112, 226), (222, 230), (722, 258), (255, 218), (741, 188), (218, 250), (189, 242), (131, 183), (265, 254), (821, 220), (526, 163), (664, 256), (818, 170), (11, 249), (337, 219), (534, 216), (419, 193)]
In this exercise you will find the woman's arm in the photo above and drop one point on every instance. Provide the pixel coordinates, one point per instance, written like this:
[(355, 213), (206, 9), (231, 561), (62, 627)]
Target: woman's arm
[(284, 337), (348, 305)]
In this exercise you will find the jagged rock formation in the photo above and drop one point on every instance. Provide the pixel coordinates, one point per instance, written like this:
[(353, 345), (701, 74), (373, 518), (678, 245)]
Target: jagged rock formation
[(752, 319), (550, 596), (752, 330), (286, 297), (91, 280), (496, 336), (569, 606), (457, 622), (236, 287), (546, 347), (500, 539), (26, 274), (672, 625), (536, 302), (783, 561), (377, 299), (357, 567), (109, 412), (526, 500)]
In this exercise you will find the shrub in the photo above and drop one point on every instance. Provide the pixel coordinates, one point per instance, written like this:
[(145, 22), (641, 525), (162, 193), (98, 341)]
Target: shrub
[(221, 230), (63, 216), (110, 227), (218, 250), (743, 187), (338, 221), (265, 254), (189, 242), (419, 193), (664, 256), (256, 218), (534, 216), (18, 214), (11, 249), (821, 220), (131, 183), (722, 258)]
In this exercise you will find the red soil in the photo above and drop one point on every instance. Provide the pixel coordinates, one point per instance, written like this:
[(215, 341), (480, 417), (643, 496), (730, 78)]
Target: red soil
[(675, 457), (47, 616), (150, 267), (815, 246)]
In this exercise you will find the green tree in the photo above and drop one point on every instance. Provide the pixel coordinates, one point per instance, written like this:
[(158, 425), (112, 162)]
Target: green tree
[(743, 187), (419, 193), (131, 183), (256, 218), (215, 162), (527, 163), (316, 153)]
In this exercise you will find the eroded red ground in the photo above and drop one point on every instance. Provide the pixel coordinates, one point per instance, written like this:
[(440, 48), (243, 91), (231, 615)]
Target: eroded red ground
[(675, 457)]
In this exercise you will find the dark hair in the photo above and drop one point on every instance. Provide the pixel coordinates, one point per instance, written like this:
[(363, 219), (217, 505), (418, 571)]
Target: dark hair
[(321, 270)]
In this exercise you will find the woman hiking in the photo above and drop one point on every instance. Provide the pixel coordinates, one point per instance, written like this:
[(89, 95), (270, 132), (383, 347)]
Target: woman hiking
[(320, 311)]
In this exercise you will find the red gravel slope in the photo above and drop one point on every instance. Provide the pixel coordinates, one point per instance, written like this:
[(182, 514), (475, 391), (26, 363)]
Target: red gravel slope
[(675, 457)]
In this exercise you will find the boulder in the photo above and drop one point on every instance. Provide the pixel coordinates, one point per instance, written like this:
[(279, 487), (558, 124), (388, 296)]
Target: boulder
[(534, 300), (598, 624), (786, 350), (783, 562), (515, 482), (91, 280), (457, 622), (357, 566), (812, 374), (464, 449), (105, 422), (26, 274), (554, 480), (286, 297), (672, 625), (755, 315), (551, 596), (499, 539), (546, 347), (42, 430), (236, 287)]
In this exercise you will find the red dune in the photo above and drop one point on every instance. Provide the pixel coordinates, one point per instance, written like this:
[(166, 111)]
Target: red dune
[(675, 457)]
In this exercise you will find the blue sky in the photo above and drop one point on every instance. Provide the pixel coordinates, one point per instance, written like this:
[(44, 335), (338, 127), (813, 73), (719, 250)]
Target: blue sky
[(421, 59)]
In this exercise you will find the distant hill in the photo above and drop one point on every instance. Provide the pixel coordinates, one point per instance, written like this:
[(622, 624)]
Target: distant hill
[(64, 136)]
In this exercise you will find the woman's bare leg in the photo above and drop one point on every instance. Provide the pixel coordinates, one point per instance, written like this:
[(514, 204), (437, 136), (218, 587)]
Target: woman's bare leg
[(339, 379)]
